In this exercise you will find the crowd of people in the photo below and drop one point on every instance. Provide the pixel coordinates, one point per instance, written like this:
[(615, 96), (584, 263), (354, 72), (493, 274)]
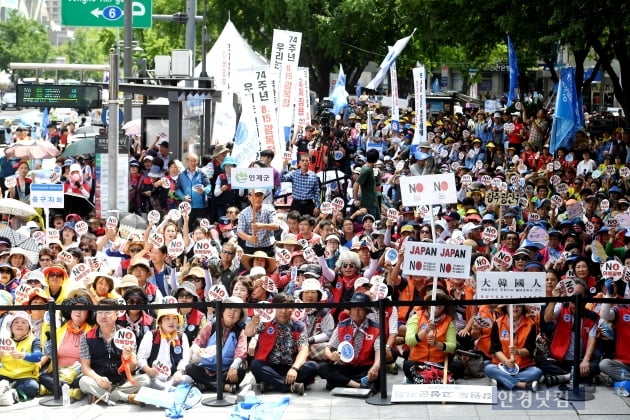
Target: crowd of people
[(331, 240)]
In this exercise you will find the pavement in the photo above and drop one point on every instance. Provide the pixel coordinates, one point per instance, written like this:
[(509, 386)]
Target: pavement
[(318, 403)]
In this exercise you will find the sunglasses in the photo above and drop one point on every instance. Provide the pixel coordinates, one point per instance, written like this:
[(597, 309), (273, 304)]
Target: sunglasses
[(55, 275), (135, 302), (521, 259), (348, 265), (135, 250), (195, 279), (33, 282), (85, 249), (185, 296)]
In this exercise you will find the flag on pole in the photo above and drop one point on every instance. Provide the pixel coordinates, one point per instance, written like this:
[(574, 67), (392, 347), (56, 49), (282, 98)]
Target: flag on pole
[(339, 96), (513, 72), (391, 56), (566, 120)]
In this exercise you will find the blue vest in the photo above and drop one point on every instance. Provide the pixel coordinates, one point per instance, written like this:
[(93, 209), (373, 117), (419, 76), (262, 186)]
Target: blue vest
[(229, 347)]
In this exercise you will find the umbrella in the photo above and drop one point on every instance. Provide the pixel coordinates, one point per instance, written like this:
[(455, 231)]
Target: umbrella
[(32, 149), (133, 128), (132, 224), (16, 208), (29, 245), (82, 147), (76, 203)]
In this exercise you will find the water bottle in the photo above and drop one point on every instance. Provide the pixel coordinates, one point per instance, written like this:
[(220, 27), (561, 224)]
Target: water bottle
[(65, 394)]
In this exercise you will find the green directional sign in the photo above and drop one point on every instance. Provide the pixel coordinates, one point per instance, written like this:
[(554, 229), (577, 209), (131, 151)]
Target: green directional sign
[(105, 13)]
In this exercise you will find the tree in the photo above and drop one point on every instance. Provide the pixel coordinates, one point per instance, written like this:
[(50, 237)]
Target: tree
[(82, 49), (23, 40), (347, 32)]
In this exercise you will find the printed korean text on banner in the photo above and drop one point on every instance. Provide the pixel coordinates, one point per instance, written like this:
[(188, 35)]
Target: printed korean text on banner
[(250, 178), (285, 55), (391, 56), (302, 98), (440, 260), (503, 285), (428, 189), (258, 99), (395, 101), (420, 91), (565, 120), (513, 72)]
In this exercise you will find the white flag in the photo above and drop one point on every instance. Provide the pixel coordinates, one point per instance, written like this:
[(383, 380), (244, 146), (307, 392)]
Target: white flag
[(391, 56)]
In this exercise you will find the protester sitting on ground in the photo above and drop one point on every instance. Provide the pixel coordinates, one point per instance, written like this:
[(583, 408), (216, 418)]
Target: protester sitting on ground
[(513, 365), (138, 320), (280, 361), (20, 366), (352, 353), (203, 368), (108, 370), (193, 318), (164, 353)]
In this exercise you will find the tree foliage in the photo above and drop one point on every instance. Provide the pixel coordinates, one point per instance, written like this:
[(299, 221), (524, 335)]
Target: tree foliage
[(23, 40)]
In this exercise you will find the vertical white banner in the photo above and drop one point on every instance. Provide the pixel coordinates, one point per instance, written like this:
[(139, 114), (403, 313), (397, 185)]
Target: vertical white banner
[(420, 92), (258, 100), (285, 55), (302, 98), (395, 102)]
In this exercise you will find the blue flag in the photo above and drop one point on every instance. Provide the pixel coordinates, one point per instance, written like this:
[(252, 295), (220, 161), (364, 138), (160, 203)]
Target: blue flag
[(513, 72), (339, 96), (358, 89), (568, 114)]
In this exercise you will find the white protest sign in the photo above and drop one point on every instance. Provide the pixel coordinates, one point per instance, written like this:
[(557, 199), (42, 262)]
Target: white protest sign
[(174, 215), (326, 207), (612, 269), (204, 249), (176, 247), (81, 227), (39, 236), (283, 256), (251, 178), (338, 203), (309, 255), (65, 257), (204, 223), (452, 393), (23, 294), (428, 189), (52, 235), (442, 260), (538, 235), (153, 217), (217, 292), (489, 234), (392, 214), (162, 369), (486, 180), (502, 285), (156, 239), (166, 183), (556, 200), (6, 344), (93, 263), (124, 337), (502, 198), (184, 208), (604, 205), (111, 222), (482, 264), (265, 314), (623, 219), (500, 259), (79, 274), (10, 182)]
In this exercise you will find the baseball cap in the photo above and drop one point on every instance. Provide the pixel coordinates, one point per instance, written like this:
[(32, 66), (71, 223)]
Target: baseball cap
[(453, 215)]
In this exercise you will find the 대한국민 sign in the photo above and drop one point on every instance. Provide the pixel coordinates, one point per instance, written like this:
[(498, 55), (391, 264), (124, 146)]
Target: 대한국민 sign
[(428, 189), (250, 178), (442, 260), (501, 285)]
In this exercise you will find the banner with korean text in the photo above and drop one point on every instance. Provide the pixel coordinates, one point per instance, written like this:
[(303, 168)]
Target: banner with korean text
[(428, 189), (285, 55), (258, 99), (251, 178), (420, 92), (440, 260), (504, 285), (302, 98)]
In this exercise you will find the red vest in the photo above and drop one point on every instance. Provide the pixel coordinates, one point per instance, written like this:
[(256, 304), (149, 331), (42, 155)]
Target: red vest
[(622, 331), (564, 328), (345, 331), (520, 338), (422, 352), (267, 338)]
